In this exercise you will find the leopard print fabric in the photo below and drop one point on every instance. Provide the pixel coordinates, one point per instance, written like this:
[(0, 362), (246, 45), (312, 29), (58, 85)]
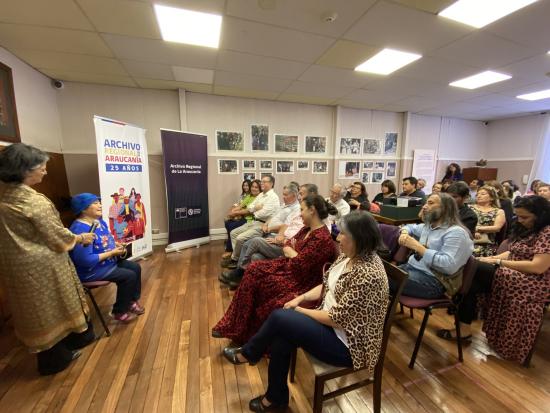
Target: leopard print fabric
[(362, 296), (516, 303)]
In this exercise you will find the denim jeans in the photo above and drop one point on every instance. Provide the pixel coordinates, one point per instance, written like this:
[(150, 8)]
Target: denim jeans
[(420, 284)]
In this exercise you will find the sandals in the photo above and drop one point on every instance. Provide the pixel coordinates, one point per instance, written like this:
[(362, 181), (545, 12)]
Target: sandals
[(136, 308), (125, 318), (447, 335)]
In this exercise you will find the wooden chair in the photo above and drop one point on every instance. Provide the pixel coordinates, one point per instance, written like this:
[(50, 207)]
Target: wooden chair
[(452, 303), (324, 372), (88, 287)]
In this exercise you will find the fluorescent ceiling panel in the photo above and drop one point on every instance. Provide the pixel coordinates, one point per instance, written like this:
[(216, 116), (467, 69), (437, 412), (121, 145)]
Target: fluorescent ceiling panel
[(481, 79), (479, 13), (189, 27), (541, 94), (387, 61)]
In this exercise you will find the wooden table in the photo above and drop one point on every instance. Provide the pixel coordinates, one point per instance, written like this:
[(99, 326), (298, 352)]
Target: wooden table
[(397, 222)]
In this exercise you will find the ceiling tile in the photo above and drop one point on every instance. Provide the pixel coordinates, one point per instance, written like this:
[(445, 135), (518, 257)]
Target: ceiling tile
[(304, 15), (418, 103), (131, 18), (318, 90), (192, 75), (391, 25), (357, 104), (148, 70), (532, 87), (265, 40), (346, 54), (71, 62), (247, 81), (245, 93), (491, 99), (402, 85), (437, 70), (159, 51), (372, 97), (52, 13), (534, 67), (52, 39), (259, 65), (289, 97), (430, 6), (173, 85), (90, 78), (334, 76)]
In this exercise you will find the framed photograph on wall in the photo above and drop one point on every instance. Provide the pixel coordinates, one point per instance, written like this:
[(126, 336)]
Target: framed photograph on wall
[(320, 167), (249, 176), (286, 143), (372, 146), (391, 169), (368, 165), (266, 165), (350, 146), (303, 166), (315, 144), (228, 166), (379, 165), (284, 167), (348, 169), (249, 164), (365, 177), (229, 141), (9, 125), (377, 177), (390, 143), (259, 136)]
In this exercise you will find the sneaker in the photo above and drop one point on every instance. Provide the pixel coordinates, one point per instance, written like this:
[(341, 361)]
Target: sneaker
[(124, 317), (136, 308)]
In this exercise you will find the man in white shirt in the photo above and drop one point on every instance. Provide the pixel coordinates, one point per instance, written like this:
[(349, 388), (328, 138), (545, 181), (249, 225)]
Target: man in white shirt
[(265, 206), (336, 198)]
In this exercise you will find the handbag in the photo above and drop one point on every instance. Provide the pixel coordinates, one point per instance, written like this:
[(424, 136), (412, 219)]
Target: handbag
[(451, 282)]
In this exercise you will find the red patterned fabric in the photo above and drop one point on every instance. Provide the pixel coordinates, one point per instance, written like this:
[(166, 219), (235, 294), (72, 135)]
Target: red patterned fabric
[(517, 300), (268, 284)]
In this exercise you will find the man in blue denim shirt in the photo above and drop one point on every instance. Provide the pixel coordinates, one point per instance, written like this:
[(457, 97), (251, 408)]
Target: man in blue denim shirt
[(441, 243)]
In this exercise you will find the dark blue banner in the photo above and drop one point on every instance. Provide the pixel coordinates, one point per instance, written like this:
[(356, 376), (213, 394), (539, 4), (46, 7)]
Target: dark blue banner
[(186, 174)]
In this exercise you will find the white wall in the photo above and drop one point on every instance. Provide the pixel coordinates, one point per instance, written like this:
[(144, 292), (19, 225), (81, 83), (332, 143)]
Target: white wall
[(36, 102)]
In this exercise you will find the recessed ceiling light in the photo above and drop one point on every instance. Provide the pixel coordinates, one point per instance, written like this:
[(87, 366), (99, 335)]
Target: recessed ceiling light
[(541, 94), (478, 13), (190, 27), (387, 61), (481, 79)]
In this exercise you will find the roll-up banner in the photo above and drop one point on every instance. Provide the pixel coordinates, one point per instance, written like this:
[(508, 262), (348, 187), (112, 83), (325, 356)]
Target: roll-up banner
[(124, 183), (186, 174)]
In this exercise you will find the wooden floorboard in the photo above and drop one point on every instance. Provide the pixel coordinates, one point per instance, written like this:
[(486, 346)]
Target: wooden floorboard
[(167, 361)]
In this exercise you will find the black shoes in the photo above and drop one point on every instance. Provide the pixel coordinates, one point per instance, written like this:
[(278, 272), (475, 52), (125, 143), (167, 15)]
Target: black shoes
[(230, 353), (256, 405), (232, 278), (216, 334)]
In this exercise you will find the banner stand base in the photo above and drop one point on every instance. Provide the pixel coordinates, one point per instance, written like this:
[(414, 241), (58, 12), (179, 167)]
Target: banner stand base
[(175, 247)]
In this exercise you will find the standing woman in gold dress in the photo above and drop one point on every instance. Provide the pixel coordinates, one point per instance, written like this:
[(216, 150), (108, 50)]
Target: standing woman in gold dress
[(44, 293)]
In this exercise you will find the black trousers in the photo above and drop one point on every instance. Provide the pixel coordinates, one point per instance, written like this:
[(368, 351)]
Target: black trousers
[(127, 276), (481, 283), (284, 331)]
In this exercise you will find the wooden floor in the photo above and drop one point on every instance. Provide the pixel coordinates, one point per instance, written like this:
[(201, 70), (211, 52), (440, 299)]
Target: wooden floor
[(167, 361)]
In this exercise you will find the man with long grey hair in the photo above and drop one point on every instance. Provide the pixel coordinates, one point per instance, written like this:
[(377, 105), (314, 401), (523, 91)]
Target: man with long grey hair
[(441, 246), (336, 198)]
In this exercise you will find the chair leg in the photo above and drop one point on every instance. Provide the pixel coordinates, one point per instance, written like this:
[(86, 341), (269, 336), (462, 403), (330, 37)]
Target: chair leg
[(458, 337), (427, 313), (401, 306), (318, 395), (377, 393), (411, 312), (292, 371), (103, 323)]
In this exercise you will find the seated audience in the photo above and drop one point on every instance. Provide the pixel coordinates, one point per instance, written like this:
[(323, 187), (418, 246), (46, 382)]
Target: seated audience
[(263, 207), (441, 246), (409, 188), (387, 189), (505, 202), (437, 187), (511, 189), (267, 285), (282, 226), (357, 197), (460, 193), (518, 281), (474, 186), (453, 173), (336, 198), (239, 214), (490, 220), (345, 330), (307, 189), (544, 191), (446, 184), (100, 261), (421, 184), (533, 187)]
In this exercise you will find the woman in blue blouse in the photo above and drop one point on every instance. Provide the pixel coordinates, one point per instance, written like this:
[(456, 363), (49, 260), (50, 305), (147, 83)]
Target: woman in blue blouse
[(100, 261)]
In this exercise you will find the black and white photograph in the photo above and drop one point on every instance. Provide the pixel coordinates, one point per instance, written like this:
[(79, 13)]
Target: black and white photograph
[(302, 166), (229, 141), (250, 176), (316, 144), (380, 165), (228, 166), (368, 165), (286, 143), (249, 164), (350, 146), (365, 176), (284, 167), (259, 137), (320, 167), (391, 169), (266, 165), (390, 143), (377, 177), (348, 169), (372, 146)]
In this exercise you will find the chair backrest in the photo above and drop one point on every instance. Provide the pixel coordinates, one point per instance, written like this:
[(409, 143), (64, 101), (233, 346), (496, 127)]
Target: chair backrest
[(503, 247), (401, 255), (390, 236), (501, 235), (398, 277), (468, 273)]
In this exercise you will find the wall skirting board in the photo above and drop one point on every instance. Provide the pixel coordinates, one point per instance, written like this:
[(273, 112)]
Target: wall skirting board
[(215, 234)]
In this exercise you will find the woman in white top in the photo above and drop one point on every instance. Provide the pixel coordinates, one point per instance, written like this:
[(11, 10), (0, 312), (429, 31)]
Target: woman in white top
[(345, 330)]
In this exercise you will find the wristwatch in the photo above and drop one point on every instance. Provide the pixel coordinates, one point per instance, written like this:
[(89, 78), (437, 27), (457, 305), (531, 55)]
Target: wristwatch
[(497, 263)]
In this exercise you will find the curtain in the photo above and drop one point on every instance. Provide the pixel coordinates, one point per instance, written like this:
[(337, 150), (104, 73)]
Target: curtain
[(541, 164)]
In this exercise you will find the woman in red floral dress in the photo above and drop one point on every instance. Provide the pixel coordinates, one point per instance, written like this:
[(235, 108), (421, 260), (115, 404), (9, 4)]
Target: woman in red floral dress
[(268, 284)]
